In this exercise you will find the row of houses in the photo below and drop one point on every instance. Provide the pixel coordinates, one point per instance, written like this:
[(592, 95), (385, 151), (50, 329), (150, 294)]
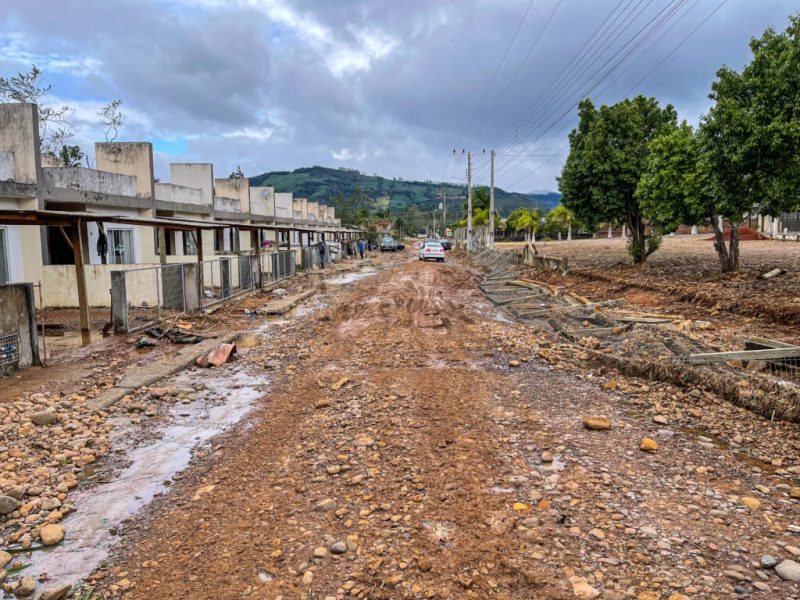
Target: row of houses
[(119, 216)]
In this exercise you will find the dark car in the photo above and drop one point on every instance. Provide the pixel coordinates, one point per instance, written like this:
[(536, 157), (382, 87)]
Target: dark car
[(388, 245), (400, 246), (446, 244)]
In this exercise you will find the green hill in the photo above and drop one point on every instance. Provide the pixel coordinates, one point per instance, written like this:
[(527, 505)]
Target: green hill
[(322, 184)]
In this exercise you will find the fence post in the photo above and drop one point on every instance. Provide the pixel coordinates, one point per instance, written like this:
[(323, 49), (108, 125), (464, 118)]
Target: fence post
[(119, 302), (192, 286)]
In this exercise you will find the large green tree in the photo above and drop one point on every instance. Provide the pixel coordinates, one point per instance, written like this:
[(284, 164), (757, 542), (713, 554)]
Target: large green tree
[(608, 154), (525, 219)]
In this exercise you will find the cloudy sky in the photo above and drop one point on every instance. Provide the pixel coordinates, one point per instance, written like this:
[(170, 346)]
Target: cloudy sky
[(382, 86)]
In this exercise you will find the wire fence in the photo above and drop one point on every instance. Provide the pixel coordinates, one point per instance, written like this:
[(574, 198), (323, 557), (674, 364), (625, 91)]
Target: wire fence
[(227, 277), (153, 294), (276, 266)]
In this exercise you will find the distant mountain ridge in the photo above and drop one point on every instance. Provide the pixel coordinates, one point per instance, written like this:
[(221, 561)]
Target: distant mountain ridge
[(320, 184)]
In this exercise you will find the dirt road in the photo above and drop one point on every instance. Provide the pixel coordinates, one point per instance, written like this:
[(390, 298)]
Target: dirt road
[(415, 445)]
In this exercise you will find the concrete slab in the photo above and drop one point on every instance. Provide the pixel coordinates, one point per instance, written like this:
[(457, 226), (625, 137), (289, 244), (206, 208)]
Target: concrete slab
[(283, 305)]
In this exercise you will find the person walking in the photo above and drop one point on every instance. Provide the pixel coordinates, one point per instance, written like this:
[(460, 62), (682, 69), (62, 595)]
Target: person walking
[(321, 248), (361, 248)]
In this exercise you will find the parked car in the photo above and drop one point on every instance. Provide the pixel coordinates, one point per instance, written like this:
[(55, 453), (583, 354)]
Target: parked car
[(388, 245), (432, 251), (400, 245), (446, 244)]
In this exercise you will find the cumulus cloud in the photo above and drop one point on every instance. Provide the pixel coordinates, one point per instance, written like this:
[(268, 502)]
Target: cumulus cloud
[(386, 87)]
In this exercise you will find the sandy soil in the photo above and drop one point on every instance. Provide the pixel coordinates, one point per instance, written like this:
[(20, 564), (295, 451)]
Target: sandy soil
[(418, 444)]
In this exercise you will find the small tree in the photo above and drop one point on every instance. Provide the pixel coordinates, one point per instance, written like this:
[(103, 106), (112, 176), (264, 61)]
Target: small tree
[(71, 156), (55, 123), (525, 219), (111, 119), (559, 220), (608, 153)]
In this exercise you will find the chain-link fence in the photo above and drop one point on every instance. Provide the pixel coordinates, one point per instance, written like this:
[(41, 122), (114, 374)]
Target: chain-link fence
[(312, 258), (276, 266), (153, 294)]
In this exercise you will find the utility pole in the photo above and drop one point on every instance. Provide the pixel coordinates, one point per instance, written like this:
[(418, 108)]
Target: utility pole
[(491, 203), (469, 197), (469, 202)]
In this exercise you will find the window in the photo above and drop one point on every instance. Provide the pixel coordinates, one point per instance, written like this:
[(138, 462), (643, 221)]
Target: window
[(4, 276), (189, 243), (120, 246)]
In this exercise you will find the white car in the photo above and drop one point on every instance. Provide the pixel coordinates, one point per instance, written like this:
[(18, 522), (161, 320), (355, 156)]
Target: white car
[(431, 251)]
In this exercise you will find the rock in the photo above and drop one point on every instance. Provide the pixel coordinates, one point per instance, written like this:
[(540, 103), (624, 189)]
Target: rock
[(761, 586), (648, 445), (597, 423), (583, 590), (749, 502), (323, 403), (51, 534), (648, 595), (248, 341), (56, 593), (768, 561), (513, 363), (308, 578), (338, 548), (27, 585), (8, 505), (158, 392), (337, 385), (44, 417), (5, 558), (547, 457), (788, 570), (794, 492), (661, 420), (326, 505), (320, 552), (424, 563)]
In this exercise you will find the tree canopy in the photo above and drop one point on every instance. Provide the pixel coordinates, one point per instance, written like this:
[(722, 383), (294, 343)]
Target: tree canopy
[(608, 154)]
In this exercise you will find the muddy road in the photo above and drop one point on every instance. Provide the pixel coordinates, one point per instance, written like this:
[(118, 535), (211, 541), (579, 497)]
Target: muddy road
[(414, 444)]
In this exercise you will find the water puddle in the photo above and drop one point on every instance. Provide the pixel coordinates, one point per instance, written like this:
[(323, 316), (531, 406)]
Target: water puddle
[(351, 277), (226, 398)]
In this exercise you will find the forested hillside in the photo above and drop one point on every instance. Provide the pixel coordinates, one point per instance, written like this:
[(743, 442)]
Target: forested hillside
[(323, 184)]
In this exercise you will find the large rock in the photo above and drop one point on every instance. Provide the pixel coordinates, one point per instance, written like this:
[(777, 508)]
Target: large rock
[(27, 585), (44, 417), (56, 593), (597, 423), (51, 534), (583, 590), (8, 504), (788, 570)]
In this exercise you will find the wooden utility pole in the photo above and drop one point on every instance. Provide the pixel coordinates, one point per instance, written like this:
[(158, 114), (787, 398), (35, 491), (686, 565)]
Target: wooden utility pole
[(469, 202), (80, 279)]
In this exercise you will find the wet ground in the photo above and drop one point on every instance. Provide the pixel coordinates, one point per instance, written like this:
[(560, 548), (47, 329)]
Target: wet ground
[(398, 436)]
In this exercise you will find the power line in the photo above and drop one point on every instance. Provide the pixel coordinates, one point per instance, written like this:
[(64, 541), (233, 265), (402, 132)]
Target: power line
[(637, 40), (661, 62), (496, 72)]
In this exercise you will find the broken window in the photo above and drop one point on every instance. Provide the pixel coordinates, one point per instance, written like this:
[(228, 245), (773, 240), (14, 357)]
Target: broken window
[(120, 246), (189, 243)]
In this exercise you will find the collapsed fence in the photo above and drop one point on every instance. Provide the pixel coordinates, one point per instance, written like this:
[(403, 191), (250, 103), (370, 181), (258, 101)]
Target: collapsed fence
[(763, 377)]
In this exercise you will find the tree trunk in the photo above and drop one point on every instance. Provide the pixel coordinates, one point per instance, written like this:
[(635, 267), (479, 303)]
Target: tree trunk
[(637, 243), (569, 230), (610, 231), (728, 258)]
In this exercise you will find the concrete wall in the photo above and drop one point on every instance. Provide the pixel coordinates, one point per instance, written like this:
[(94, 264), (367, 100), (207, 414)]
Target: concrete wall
[(227, 204), (300, 208), (312, 211), (89, 180), (234, 188), (169, 192), (262, 201), (19, 135), (128, 158), (7, 166), (284, 203), (195, 175), (18, 317)]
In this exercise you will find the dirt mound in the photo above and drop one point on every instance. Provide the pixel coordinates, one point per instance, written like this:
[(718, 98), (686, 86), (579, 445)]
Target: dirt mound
[(746, 234)]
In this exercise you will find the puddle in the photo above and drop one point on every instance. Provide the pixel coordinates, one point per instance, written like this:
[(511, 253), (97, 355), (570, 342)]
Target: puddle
[(708, 438), (226, 398), (351, 277), (556, 465)]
